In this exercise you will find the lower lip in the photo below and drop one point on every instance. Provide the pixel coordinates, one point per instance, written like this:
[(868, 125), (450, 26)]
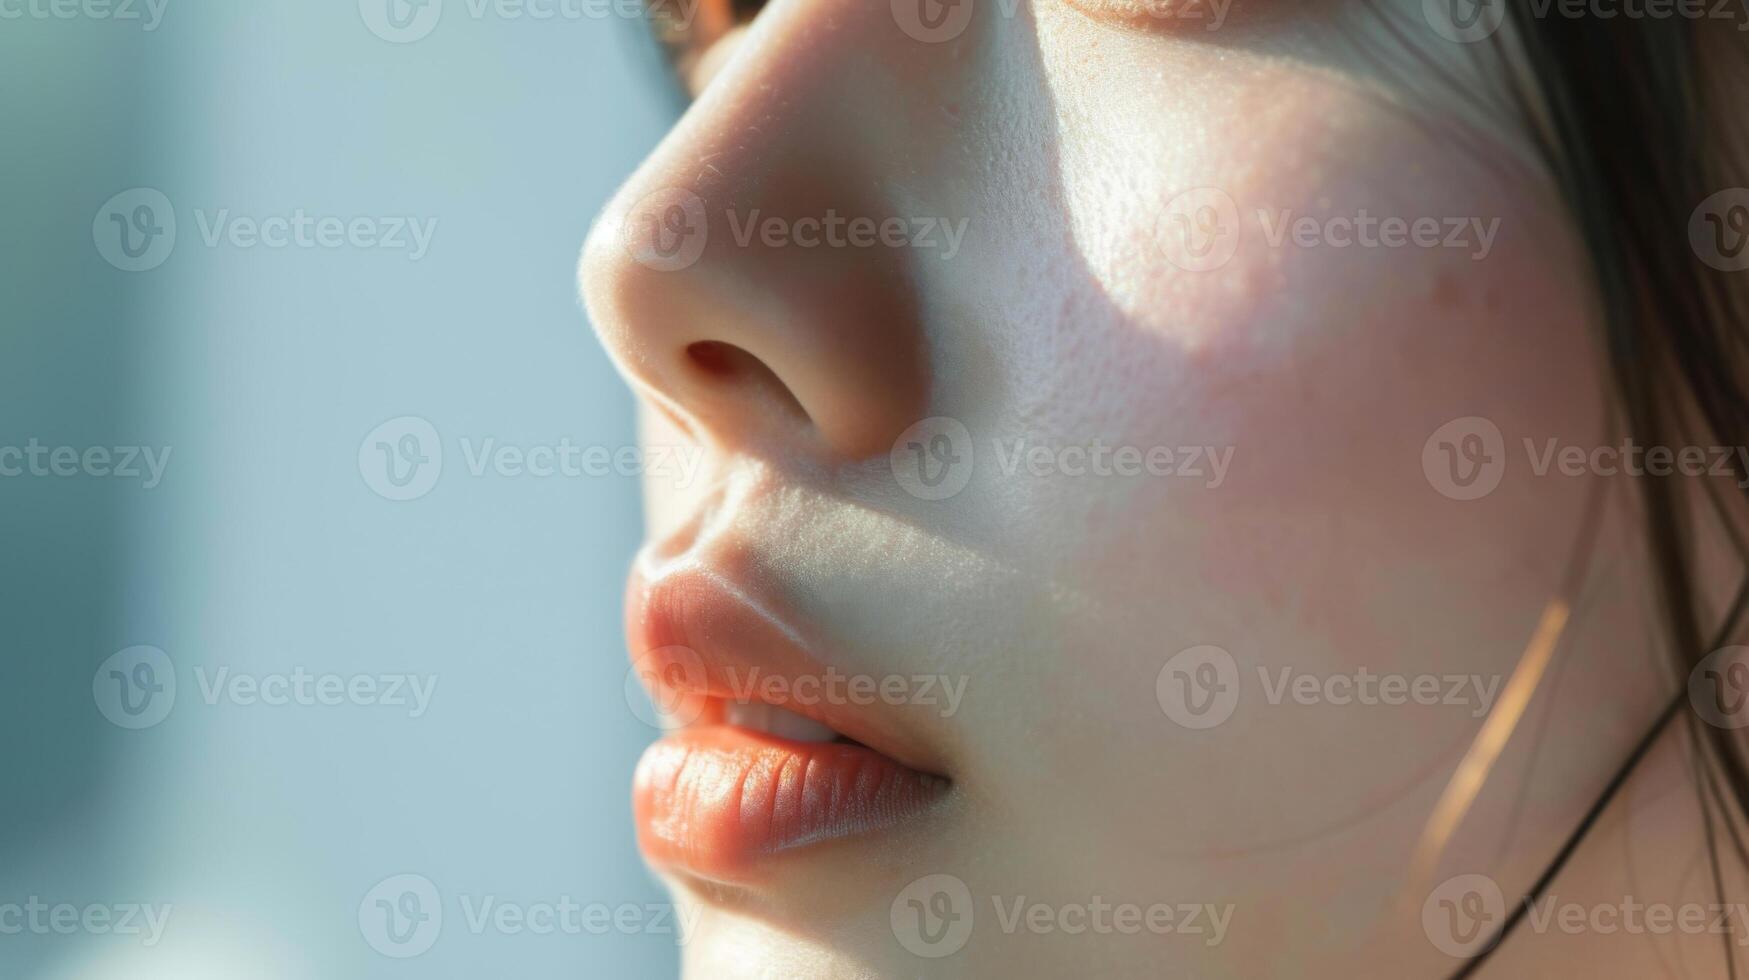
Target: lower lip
[(722, 802)]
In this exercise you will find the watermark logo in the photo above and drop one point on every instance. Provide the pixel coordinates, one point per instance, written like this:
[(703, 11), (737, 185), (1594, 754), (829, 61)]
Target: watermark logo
[(401, 21), (933, 21), (135, 230), (666, 230), (1718, 687), (401, 459), (933, 459), (1465, 458), (662, 687), (1199, 687), (1464, 21), (1462, 914), (932, 917), (136, 687), (1199, 229), (402, 916), (1473, 20), (1718, 230)]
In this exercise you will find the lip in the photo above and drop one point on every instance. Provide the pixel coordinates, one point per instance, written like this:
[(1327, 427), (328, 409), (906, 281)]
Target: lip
[(728, 804)]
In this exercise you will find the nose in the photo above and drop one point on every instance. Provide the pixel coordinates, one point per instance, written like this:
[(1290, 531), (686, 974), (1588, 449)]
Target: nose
[(758, 276)]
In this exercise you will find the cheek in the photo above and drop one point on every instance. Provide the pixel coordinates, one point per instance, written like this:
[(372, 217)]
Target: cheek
[(1326, 546), (1379, 281), (1341, 510), (1296, 234), (1323, 364)]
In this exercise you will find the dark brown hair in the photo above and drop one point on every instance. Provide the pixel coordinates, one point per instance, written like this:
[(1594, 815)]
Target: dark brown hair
[(1629, 116)]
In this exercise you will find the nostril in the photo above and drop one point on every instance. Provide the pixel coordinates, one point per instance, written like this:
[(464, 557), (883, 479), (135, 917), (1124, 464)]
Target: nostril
[(730, 366), (720, 360)]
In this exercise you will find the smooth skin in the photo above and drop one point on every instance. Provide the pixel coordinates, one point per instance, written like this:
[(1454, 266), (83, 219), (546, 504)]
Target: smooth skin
[(1063, 134)]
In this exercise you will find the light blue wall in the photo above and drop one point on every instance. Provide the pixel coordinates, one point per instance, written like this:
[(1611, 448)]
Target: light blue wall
[(265, 549)]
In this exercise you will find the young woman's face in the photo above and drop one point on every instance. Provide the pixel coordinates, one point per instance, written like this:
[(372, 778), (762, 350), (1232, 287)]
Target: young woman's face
[(1102, 405)]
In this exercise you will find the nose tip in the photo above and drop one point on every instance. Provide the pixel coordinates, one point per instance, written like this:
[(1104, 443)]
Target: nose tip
[(750, 338), (754, 276)]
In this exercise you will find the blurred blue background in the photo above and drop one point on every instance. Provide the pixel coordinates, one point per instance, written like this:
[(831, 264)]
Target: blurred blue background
[(303, 838)]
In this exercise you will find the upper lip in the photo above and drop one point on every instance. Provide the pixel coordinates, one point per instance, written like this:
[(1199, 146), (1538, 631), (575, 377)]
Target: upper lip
[(702, 630)]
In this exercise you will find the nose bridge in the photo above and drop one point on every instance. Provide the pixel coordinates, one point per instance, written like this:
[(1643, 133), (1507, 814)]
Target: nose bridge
[(814, 68), (784, 217)]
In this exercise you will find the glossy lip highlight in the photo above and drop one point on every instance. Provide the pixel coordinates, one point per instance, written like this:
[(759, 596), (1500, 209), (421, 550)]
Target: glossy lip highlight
[(718, 801)]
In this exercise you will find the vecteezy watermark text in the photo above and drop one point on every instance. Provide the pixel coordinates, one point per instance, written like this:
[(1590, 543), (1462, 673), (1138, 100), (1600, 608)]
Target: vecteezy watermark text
[(671, 676), (934, 459), (1466, 459), (136, 230), (306, 689), (402, 459), (402, 916), (148, 13), (1470, 21), (1201, 229), (1364, 229), (136, 688), (668, 229), (1100, 459), (567, 459), (938, 21), (406, 21), (834, 230), (34, 459), (834, 687), (41, 918), (1200, 687), (935, 915), (300, 229), (1464, 913)]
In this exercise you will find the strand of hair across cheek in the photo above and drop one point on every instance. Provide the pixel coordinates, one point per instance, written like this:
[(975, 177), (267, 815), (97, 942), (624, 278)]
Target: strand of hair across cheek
[(1609, 791), (1472, 770)]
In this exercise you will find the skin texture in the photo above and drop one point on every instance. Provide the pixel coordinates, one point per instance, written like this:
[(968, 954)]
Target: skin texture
[(1062, 134)]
